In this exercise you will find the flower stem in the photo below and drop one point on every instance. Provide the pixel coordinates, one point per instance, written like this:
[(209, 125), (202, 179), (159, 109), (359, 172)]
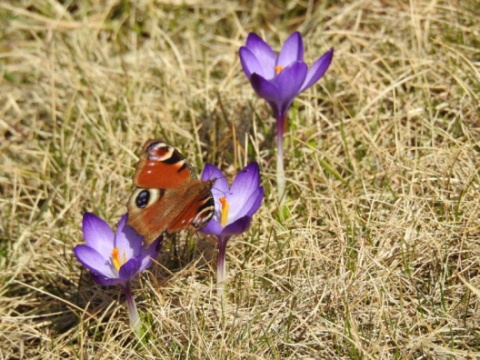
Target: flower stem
[(280, 169), (221, 270), (132, 311)]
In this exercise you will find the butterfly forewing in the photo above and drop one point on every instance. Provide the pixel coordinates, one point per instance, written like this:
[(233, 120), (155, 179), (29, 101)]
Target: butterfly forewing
[(161, 166)]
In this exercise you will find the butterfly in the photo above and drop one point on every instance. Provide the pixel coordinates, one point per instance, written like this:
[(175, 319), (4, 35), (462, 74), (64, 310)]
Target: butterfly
[(168, 196)]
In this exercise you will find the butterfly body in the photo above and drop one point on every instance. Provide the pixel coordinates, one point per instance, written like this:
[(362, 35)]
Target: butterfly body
[(168, 197)]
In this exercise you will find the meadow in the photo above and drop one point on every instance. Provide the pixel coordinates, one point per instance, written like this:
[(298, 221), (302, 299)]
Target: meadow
[(374, 252)]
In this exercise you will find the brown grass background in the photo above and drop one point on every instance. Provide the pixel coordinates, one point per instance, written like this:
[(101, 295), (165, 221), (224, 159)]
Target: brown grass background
[(375, 253)]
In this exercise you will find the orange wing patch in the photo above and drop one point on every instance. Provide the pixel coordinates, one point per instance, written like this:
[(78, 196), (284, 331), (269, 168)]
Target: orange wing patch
[(161, 166)]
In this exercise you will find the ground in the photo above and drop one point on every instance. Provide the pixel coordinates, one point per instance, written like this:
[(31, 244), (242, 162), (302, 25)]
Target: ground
[(374, 253)]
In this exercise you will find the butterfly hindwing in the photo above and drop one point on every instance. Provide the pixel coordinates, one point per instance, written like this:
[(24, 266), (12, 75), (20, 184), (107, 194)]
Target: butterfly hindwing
[(198, 207)]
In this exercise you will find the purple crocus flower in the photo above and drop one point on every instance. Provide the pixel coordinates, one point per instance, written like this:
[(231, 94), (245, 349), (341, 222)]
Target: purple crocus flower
[(279, 79), (115, 258), (234, 208)]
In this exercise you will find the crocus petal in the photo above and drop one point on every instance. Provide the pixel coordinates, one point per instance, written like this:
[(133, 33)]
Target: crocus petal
[(130, 268), (290, 80), (220, 188), (211, 172), (243, 191), (245, 205), (94, 261), (249, 177), (280, 89), (104, 281), (238, 227), (97, 234), (317, 70), (250, 63), (292, 50), (265, 88), (246, 193), (258, 196), (127, 240), (253, 203), (264, 54), (212, 228), (151, 253)]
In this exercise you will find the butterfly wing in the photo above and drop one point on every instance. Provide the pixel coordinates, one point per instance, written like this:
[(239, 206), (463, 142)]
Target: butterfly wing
[(197, 209), (161, 166), (167, 198)]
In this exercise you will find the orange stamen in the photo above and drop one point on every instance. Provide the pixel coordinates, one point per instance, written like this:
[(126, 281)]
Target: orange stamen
[(224, 211), (278, 69), (117, 262)]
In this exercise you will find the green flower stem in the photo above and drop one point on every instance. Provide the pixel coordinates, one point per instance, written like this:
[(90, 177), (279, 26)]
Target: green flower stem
[(280, 169), (133, 311)]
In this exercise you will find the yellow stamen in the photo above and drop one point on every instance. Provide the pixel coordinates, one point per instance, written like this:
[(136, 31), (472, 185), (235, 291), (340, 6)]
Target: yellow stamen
[(224, 211), (117, 263), (278, 69)]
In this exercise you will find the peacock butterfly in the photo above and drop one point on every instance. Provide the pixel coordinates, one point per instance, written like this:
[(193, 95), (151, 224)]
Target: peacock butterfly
[(168, 197)]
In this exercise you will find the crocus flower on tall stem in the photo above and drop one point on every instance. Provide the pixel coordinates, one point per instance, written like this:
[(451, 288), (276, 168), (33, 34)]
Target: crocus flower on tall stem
[(115, 258), (279, 79), (234, 208)]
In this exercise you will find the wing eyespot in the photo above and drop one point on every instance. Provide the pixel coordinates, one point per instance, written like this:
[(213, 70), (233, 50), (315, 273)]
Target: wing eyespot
[(142, 199), (146, 197)]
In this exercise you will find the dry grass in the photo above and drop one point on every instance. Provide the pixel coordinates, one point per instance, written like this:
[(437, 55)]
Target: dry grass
[(377, 254)]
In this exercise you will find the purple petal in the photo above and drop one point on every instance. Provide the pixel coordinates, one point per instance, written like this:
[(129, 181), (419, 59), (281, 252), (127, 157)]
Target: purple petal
[(245, 185), (245, 206), (102, 280), (290, 80), (220, 188), (127, 240), (292, 50), (263, 52), (258, 196), (130, 269), (97, 234), (244, 194), (211, 172), (238, 227), (151, 253), (317, 70), (281, 94), (212, 228), (264, 88), (249, 177), (94, 261), (250, 63)]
